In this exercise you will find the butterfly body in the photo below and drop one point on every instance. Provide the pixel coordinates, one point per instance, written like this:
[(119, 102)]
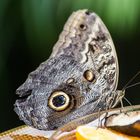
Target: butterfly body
[(78, 78)]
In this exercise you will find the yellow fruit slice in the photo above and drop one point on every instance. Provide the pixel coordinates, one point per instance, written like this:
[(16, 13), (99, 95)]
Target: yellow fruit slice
[(91, 133)]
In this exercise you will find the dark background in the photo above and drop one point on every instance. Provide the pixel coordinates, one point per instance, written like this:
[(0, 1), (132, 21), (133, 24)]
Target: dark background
[(29, 29)]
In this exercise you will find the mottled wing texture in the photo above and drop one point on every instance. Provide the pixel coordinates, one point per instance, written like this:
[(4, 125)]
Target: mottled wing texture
[(83, 65), (92, 47)]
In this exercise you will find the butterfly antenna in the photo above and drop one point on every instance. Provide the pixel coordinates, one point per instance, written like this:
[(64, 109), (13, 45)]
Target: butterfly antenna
[(133, 85), (127, 101), (126, 86)]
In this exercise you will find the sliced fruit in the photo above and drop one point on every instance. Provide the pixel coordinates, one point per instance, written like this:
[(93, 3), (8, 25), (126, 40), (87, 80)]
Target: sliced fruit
[(91, 133)]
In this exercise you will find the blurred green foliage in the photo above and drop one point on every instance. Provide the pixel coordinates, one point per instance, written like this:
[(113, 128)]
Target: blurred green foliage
[(29, 28)]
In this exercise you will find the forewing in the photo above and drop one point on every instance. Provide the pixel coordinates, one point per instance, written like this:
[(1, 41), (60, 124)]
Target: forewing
[(87, 39)]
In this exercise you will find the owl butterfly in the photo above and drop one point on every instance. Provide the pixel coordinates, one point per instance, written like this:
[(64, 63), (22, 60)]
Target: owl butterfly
[(80, 76)]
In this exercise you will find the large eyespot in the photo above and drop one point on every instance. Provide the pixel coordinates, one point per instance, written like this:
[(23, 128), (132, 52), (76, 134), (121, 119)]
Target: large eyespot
[(59, 101), (89, 75)]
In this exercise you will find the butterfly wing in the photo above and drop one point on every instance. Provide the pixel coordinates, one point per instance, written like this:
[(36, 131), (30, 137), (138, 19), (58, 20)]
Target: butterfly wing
[(86, 38), (80, 74)]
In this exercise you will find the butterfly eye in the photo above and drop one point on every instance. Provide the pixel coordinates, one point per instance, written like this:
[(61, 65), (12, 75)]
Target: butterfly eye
[(89, 75), (59, 101), (82, 27)]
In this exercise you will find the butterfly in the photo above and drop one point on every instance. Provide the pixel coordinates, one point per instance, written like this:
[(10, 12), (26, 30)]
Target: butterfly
[(80, 76)]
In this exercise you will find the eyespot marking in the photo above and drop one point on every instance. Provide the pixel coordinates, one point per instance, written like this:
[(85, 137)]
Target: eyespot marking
[(89, 75), (83, 27), (87, 12), (59, 101), (70, 80)]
